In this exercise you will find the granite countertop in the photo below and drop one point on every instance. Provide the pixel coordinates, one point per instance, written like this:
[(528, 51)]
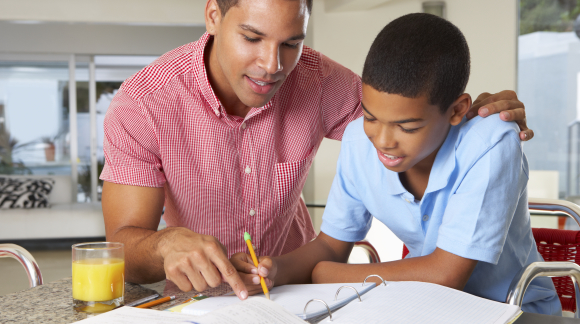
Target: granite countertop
[(52, 302)]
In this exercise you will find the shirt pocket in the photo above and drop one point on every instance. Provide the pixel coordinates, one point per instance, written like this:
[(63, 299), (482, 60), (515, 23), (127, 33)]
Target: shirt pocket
[(289, 181)]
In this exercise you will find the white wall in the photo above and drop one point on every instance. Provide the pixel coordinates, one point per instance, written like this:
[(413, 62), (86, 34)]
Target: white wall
[(166, 12)]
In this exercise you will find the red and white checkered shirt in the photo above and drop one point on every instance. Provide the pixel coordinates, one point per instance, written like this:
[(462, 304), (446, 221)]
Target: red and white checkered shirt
[(223, 174)]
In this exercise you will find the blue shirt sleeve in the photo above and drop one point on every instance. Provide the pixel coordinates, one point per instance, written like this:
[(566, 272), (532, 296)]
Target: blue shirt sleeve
[(345, 216), (479, 213)]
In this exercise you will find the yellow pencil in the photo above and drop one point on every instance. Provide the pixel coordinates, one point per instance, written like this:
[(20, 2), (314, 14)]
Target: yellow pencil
[(248, 240), (156, 302)]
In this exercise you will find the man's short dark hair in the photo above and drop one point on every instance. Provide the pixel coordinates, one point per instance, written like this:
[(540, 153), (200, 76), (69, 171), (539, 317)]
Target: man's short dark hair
[(419, 54), (225, 5)]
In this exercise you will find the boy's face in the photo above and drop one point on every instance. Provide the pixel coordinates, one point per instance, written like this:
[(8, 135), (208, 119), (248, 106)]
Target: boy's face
[(258, 43), (407, 132)]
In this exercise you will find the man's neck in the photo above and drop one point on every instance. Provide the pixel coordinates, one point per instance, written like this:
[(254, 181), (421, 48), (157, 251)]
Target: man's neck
[(220, 85)]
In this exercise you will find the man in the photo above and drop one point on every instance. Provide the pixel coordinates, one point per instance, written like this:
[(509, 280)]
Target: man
[(184, 133)]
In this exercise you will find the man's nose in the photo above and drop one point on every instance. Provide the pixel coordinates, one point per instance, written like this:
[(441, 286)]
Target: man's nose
[(270, 59)]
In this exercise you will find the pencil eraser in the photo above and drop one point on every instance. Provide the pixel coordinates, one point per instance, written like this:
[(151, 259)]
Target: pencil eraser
[(247, 236)]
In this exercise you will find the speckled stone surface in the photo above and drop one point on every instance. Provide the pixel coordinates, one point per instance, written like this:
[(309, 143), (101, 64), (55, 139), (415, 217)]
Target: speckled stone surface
[(52, 302)]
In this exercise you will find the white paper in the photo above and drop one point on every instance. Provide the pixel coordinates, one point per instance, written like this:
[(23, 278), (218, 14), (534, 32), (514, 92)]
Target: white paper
[(292, 297), (132, 315), (256, 311), (420, 302)]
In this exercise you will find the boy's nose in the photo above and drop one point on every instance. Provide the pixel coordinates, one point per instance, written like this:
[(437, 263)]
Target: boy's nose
[(385, 140)]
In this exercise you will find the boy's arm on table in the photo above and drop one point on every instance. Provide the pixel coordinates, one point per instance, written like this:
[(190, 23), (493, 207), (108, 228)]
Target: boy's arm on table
[(324, 261), (440, 267)]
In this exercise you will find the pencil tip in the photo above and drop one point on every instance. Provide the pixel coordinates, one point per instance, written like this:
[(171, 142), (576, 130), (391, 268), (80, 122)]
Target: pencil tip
[(268, 295)]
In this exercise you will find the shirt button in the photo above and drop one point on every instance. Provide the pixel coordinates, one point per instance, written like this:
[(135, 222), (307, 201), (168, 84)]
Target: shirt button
[(425, 218), (243, 125), (252, 212), (248, 170)]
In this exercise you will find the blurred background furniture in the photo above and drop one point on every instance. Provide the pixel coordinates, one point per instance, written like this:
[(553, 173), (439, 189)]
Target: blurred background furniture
[(64, 219)]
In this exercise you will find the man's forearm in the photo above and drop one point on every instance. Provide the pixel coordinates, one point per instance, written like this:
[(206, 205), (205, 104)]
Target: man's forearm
[(143, 259)]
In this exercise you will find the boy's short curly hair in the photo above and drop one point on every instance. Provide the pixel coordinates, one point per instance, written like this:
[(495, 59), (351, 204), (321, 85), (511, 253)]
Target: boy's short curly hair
[(225, 5), (419, 54)]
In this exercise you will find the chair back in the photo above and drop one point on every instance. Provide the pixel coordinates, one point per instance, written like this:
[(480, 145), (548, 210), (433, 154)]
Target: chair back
[(560, 245)]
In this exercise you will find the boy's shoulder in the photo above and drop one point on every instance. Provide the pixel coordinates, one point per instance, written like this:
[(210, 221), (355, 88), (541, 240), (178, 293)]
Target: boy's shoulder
[(486, 132), (355, 132)]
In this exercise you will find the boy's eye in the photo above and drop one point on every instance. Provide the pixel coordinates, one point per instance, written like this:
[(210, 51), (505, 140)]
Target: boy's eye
[(407, 130), (251, 40)]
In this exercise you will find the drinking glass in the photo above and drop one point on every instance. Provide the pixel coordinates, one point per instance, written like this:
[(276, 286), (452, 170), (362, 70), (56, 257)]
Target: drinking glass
[(98, 276)]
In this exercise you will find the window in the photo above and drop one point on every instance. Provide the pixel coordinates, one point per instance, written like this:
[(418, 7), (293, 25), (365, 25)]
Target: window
[(549, 85)]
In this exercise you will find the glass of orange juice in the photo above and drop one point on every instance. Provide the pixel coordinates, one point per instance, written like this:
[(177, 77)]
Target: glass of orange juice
[(98, 276)]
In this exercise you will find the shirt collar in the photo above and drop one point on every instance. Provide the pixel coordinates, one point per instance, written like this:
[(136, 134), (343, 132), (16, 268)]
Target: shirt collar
[(444, 162), (440, 172), (205, 86)]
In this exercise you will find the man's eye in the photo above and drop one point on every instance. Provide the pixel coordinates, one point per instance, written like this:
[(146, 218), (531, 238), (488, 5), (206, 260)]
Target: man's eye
[(251, 40), (369, 119), (291, 45)]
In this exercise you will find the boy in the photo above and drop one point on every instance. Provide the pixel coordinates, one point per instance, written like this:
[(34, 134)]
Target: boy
[(428, 174)]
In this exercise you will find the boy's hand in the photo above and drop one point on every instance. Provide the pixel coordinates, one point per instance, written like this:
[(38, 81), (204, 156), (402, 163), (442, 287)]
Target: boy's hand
[(507, 104), (267, 268)]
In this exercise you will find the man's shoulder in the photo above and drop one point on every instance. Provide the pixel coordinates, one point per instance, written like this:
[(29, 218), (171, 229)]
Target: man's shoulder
[(164, 69)]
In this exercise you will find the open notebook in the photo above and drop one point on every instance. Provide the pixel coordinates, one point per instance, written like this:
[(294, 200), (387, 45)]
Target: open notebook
[(420, 302), (292, 297), (397, 302)]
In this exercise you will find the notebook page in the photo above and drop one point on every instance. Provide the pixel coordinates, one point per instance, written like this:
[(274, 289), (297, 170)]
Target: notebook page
[(258, 311), (419, 302), (291, 297), (132, 315), (255, 311)]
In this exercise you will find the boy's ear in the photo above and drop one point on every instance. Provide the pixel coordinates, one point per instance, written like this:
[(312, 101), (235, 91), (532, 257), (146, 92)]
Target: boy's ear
[(212, 17), (459, 108)]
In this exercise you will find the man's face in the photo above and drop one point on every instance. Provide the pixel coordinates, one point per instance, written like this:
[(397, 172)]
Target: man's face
[(406, 132), (257, 44)]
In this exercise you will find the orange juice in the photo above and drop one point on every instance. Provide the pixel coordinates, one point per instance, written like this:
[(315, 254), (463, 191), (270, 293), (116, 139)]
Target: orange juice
[(98, 279)]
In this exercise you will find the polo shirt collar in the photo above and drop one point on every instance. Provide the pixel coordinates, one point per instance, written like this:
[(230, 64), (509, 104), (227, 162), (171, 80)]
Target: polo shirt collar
[(440, 172), (444, 162), (205, 86)]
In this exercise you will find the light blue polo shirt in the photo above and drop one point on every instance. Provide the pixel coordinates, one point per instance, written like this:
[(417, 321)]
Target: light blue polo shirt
[(475, 205)]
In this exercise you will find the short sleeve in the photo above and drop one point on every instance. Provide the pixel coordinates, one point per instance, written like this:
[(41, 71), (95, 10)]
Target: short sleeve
[(345, 216), (341, 96), (478, 215), (131, 149)]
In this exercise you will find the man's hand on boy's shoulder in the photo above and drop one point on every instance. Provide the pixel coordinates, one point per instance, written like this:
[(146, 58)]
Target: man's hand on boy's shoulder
[(507, 104)]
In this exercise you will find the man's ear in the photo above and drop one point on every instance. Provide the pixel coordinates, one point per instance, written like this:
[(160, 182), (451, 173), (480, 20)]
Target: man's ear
[(459, 108), (212, 17)]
